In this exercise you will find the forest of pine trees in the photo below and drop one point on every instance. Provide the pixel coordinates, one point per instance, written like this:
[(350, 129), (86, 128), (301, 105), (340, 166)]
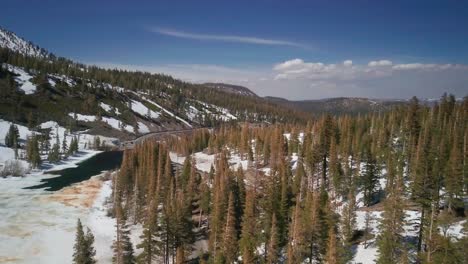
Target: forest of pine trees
[(298, 199)]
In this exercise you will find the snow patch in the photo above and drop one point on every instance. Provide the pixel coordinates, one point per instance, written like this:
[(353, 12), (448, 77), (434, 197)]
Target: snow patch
[(142, 128), (169, 113), (141, 109), (23, 79)]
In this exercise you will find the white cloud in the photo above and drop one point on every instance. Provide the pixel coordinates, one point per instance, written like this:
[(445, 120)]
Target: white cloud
[(227, 38), (430, 66), (298, 68), (348, 63), (288, 64), (380, 63)]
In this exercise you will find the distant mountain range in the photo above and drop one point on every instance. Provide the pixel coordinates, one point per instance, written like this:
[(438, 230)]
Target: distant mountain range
[(340, 105), (337, 105)]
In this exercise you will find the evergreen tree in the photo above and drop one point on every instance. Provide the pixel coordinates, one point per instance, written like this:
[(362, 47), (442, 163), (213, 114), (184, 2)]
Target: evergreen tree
[(230, 233), (370, 179), (122, 246), (454, 181), (64, 144), (12, 137), (273, 243), (54, 154), (247, 243), (97, 143), (84, 252), (149, 239), (390, 241), (33, 155), (332, 256)]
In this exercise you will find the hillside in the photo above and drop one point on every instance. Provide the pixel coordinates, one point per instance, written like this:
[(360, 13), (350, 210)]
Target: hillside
[(235, 89)]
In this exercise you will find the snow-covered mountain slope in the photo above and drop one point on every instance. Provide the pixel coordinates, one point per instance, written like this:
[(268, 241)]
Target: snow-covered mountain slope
[(13, 42), (117, 108)]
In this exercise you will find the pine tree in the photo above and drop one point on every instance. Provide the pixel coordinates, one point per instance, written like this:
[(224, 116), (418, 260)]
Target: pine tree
[(80, 243), (370, 179), (64, 144), (97, 143), (273, 243), (332, 256), (12, 137), (423, 185), (90, 251), (32, 152), (349, 223), (390, 241), (247, 243), (230, 233), (54, 154), (312, 227), (367, 228), (149, 239), (454, 181), (122, 246), (84, 252)]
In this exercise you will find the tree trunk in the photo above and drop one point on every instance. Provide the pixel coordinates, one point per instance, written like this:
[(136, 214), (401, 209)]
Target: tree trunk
[(421, 230)]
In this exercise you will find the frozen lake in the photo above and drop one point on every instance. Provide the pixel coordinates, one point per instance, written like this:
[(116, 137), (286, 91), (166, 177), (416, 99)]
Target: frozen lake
[(38, 226)]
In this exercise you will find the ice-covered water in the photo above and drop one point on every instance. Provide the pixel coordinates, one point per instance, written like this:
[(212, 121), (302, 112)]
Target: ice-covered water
[(34, 228)]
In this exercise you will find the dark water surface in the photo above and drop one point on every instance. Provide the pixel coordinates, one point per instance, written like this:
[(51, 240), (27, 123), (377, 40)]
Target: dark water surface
[(86, 169)]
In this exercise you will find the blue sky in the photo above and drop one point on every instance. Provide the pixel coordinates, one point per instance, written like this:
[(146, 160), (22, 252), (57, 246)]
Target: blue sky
[(270, 46)]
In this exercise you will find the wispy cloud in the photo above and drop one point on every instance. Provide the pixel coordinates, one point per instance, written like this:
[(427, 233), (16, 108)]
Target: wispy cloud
[(226, 38)]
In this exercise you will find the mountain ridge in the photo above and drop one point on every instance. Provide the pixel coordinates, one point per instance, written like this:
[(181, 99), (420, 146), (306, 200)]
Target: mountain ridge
[(10, 40), (231, 88)]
